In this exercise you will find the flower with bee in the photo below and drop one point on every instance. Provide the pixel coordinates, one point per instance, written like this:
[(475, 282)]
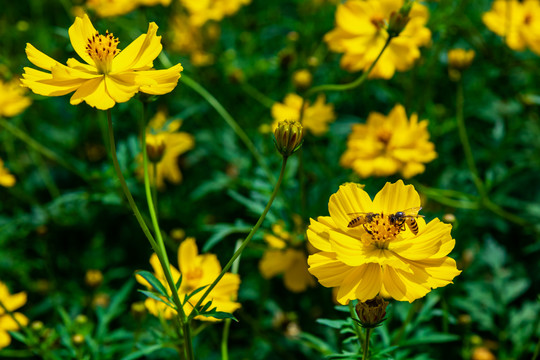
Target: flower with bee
[(381, 246)]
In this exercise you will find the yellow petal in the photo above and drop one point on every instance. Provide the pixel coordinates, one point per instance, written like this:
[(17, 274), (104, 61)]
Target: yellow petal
[(363, 283), (119, 91), (159, 82), (140, 53), (327, 269), (318, 232), (273, 262), (39, 59), (7, 322), (5, 339), (346, 204), (42, 83), (79, 33), (94, 93), (396, 197), (297, 277), (187, 252)]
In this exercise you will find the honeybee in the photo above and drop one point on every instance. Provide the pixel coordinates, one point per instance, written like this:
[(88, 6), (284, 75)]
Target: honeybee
[(362, 218), (406, 217)]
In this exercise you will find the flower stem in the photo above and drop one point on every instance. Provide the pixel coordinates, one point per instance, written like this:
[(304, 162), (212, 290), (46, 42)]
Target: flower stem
[(357, 328), (246, 241), (353, 84), (230, 121), (162, 255), (33, 144), (227, 325), (366, 345)]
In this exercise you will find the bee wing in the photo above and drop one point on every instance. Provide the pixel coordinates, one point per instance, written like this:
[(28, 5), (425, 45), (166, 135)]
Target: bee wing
[(413, 212), (359, 213)]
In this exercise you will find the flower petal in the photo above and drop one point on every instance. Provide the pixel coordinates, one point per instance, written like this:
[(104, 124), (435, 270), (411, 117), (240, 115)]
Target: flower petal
[(118, 90), (363, 283), (94, 93), (39, 59), (427, 243), (140, 53), (349, 201), (327, 269), (318, 232), (159, 82), (396, 197), (79, 33), (42, 83)]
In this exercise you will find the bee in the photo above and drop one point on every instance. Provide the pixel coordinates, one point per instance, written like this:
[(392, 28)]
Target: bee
[(406, 217), (362, 218)]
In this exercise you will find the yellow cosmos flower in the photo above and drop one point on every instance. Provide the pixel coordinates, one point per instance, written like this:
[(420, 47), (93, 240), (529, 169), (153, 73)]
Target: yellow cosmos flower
[(12, 98), (203, 10), (191, 39), (196, 270), (361, 33), (284, 256), (6, 178), (382, 256), (517, 21), (388, 144), (171, 143), (108, 76), (316, 117), (7, 323)]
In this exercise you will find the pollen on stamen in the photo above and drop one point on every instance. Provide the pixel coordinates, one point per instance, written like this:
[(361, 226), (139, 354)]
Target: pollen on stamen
[(102, 49)]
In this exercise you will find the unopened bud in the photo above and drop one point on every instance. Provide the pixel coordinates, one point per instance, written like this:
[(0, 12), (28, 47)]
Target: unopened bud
[(460, 59), (399, 19), (93, 278), (371, 313), (37, 326), (138, 310), (155, 147), (288, 137), (302, 79), (81, 319), (77, 339)]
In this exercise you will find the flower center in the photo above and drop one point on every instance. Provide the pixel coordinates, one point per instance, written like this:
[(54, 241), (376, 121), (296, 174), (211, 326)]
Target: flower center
[(384, 135), (381, 231), (528, 19), (102, 49)]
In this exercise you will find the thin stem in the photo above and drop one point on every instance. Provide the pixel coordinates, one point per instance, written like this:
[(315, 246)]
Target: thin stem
[(227, 325), (355, 83), (357, 328), (366, 346), (238, 252), (257, 95), (465, 140), (33, 144), (230, 121), (162, 253)]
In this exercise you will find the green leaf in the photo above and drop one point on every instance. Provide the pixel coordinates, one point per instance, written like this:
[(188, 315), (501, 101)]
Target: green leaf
[(155, 283), (194, 292), (431, 339), (155, 297), (220, 315), (336, 324), (146, 351)]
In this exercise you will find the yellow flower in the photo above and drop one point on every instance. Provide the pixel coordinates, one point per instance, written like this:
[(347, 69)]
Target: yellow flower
[(6, 178), (106, 8), (191, 39), (203, 10), (518, 22), (196, 270), (109, 75), (315, 119), (361, 32), (7, 323), (383, 256), (12, 98), (460, 58), (172, 144), (388, 144), (285, 257)]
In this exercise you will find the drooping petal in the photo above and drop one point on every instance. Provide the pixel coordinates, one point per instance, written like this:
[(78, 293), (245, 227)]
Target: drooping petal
[(39, 59), (79, 33), (140, 53), (119, 90), (42, 83), (362, 283), (159, 82)]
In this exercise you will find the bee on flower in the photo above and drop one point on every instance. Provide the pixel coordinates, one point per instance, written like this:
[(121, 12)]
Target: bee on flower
[(388, 260), (385, 145), (286, 255), (363, 28)]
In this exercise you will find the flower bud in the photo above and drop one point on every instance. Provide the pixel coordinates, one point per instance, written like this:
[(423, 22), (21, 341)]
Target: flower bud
[(288, 137), (371, 313), (93, 278), (399, 20), (460, 59), (155, 147), (302, 79), (77, 339)]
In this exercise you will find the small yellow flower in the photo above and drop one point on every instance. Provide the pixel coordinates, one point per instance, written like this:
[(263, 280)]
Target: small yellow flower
[(7, 323), (362, 30), (388, 144), (460, 59), (12, 98), (302, 79), (383, 257), (197, 271), (171, 144), (93, 278), (315, 119), (284, 256), (202, 11), (517, 21), (108, 76), (106, 8), (189, 38), (6, 178)]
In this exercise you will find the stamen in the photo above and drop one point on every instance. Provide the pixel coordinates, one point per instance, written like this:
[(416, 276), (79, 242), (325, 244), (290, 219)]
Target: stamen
[(102, 49)]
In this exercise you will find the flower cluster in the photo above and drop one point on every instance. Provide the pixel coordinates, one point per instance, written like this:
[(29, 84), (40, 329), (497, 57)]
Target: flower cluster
[(362, 30), (108, 76), (12, 320), (315, 118), (196, 271), (365, 250), (388, 144), (164, 144), (517, 21), (106, 8), (201, 11), (285, 255)]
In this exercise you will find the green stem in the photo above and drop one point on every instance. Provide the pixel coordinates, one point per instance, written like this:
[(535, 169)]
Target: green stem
[(33, 144), (355, 83), (357, 328), (257, 95), (227, 325), (238, 252), (162, 253), (366, 347), (230, 121)]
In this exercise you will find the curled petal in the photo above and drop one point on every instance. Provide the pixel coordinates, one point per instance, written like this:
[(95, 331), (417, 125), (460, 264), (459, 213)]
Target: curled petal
[(140, 53)]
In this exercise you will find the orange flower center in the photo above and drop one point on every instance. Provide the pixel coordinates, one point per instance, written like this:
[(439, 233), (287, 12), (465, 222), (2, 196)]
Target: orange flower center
[(102, 49), (528, 19), (382, 231)]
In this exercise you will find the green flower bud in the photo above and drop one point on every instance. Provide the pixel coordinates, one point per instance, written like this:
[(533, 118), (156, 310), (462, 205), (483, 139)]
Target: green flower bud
[(398, 20), (155, 147), (371, 313), (288, 137)]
